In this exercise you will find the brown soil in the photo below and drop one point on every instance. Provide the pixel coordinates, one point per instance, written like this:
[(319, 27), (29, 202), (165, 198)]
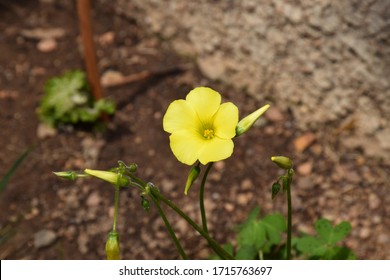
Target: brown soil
[(331, 182)]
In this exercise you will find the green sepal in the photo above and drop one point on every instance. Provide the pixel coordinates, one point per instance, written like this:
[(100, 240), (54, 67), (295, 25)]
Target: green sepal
[(275, 189), (192, 176), (112, 246)]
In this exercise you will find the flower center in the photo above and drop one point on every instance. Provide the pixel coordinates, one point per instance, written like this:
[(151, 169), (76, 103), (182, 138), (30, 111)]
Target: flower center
[(208, 134)]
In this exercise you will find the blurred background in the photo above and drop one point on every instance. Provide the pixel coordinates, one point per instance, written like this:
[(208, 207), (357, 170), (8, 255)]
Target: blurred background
[(323, 65)]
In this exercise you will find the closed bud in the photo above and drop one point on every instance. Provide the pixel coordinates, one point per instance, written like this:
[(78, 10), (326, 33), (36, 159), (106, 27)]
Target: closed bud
[(68, 175), (192, 176), (282, 161), (112, 246), (246, 123), (145, 204), (109, 176)]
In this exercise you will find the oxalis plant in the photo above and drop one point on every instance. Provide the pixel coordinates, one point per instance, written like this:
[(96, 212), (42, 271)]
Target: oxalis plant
[(202, 131)]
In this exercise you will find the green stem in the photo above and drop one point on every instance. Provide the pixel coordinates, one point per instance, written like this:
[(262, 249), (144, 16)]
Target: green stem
[(170, 229), (116, 205), (201, 198), (214, 245), (289, 216)]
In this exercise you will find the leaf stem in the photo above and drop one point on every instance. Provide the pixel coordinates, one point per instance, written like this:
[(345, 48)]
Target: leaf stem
[(169, 228), (290, 173)]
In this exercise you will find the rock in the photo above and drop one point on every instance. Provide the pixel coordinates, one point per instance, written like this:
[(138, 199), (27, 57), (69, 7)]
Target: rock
[(305, 183), (246, 184), (292, 13), (93, 199), (47, 45), (212, 67), (8, 94), (44, 238), (305, 168), (167, 185), (181, 226), (383, 238), (364, 233), (91, 150), (43, 33), (219, 166), (301, 143), (274, 114), (82, 242), (45, 131), (322, 80), (373, 201), (229, 207), (244, 198), (106, 38), (383, 137), (111, 77)]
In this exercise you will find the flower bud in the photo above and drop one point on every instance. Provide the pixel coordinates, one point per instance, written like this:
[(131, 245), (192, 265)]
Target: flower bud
[(112, 246), (68, 175), (108, 176), (246, 123), (145, 204), (192, 176), (282, 162)]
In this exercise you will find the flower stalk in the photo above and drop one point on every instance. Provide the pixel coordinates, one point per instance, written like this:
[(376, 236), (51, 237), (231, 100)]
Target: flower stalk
[(201, 198)]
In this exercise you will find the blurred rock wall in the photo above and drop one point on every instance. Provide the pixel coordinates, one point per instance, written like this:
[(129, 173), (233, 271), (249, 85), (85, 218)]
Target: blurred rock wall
[(328, 61)]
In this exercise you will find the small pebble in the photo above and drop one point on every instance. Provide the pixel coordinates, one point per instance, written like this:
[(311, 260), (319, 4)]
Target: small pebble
[(44, 238), (47, 45)]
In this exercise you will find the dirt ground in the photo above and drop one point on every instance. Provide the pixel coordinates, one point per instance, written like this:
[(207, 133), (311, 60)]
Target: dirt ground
[(333, 123)]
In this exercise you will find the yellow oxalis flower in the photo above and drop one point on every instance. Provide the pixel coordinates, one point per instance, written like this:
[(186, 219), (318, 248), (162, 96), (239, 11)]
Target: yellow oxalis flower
[(201, 127)]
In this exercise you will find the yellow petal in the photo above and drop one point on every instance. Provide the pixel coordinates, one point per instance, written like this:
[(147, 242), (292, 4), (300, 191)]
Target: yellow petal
[(216, 149), (180, 115), (226, 120), (185, 145), (205, 102)]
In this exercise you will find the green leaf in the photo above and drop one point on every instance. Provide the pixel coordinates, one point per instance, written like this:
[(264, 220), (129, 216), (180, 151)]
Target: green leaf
[(274, 225), (228, 248), (67, 99), (4, 181), (246, 252), (252, 234), (311, 245), (275, 189), (339, 253), (329, 234)]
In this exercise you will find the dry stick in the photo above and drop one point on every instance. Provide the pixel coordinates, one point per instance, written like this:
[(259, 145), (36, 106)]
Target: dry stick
[(143, 75), (83, 9)]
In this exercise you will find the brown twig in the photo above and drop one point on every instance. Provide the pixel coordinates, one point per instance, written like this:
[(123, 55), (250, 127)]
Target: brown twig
[(143, 75), (83, 9)]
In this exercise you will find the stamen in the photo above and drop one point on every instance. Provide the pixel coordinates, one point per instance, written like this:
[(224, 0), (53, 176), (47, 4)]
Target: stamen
[(208, 134)]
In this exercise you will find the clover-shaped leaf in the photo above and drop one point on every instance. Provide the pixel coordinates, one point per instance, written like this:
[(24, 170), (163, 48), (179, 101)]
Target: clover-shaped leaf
[(331, 235), (274, 225)]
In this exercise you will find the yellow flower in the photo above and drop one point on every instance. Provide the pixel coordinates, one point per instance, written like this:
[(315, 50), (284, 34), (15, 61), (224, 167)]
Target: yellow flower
[(201, 127)]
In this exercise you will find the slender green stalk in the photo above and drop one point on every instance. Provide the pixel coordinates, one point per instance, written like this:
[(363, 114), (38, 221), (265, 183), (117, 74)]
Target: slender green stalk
[(214, 245), (201, 198), (289, 217), (116, 205), (155, 194), (170, 229)]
